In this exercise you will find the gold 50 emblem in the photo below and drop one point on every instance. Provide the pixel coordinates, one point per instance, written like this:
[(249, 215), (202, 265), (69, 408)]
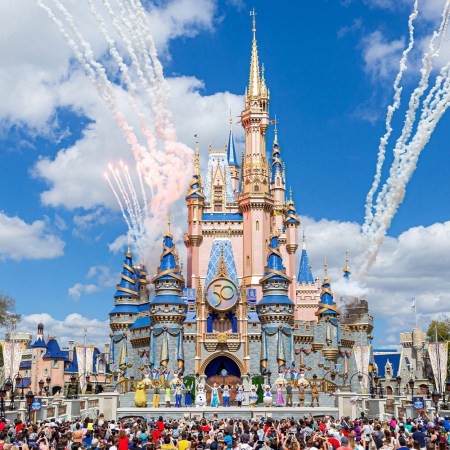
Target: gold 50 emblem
[(222, 294)]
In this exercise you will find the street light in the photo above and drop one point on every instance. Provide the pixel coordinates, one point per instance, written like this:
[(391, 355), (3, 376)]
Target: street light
[(47, 388), (435, 397), (411, 385), (399, 382), (19, 382), (41, 386), (2, 402), (9, 388), (30, 398)]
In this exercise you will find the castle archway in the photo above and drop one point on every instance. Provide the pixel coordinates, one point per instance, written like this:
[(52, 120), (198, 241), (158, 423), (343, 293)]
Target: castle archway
[(216, 363)]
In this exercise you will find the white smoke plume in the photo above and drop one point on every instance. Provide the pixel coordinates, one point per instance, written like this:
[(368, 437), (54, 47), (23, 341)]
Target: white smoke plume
[(414, 136), (162, 162)]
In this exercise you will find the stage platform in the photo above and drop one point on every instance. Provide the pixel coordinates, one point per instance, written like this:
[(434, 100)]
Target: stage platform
[(245, 412)]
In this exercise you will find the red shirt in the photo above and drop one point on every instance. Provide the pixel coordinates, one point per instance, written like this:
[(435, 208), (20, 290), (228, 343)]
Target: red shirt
[(160, 425), (123, 443), (334, 442), (205, 428), (2, 426), (156, 434)]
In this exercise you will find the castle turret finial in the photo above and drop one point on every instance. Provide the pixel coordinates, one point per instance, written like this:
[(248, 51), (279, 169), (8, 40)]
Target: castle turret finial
[(168, 222), (197, 157), (290, 194), (254, 82), (325, 268), (303, 241), (231, 121), (346, 269)]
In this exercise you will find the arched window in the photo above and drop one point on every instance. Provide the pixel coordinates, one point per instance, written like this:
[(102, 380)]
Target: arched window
[(257, 225), (248, 261), (256, 187)]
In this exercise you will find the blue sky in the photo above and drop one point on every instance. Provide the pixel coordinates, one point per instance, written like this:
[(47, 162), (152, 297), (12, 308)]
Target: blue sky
[(330, 66)]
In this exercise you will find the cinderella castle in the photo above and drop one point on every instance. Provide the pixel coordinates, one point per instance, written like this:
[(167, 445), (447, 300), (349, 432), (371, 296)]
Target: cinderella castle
[(241, 306)]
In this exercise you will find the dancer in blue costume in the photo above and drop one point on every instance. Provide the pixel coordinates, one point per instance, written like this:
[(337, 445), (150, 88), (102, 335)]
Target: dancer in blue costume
[(188, 396), (214, 395)]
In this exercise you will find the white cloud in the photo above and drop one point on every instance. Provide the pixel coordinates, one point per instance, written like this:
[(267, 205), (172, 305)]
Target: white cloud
[(20, 240), (412, 265), (71, 327), (78, 289), (381, 56)]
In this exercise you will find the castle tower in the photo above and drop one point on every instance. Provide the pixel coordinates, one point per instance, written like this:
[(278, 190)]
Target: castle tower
[(232, 159), (255, 201), (277, 183), (167, 310), (276, 312), (291, 224), (194, 237)]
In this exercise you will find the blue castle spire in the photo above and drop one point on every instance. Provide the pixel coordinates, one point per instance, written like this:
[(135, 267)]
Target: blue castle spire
[(275, 282), (195, 189), (168, 281), (346, 269), (327, 307), (304, 274), (277, 165), (291, 212), (129, 282), (231, 155)]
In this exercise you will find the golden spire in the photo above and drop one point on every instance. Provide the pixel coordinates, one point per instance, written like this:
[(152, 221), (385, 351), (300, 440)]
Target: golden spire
[(275, 139), (290, 194), (254, 82), (231, 121), (325, 268), (304, 241), (168, 222), (346, 259), (197, 158)]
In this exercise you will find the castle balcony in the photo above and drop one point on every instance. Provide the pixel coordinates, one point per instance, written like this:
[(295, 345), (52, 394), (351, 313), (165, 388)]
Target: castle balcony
[(225, 340)]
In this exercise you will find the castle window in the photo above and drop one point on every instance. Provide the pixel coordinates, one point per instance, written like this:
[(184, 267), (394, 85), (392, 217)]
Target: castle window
[(256, 187), (257, 225), (218, 207), (278, 182), (307, 327), (248, 261)]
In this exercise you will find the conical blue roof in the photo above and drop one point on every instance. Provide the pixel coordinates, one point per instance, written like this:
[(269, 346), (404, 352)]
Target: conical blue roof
[(168, 270), (231, 156), (39, 343), (327, 307), (129, 283), (195, 188), (274, 262), (277, 165)]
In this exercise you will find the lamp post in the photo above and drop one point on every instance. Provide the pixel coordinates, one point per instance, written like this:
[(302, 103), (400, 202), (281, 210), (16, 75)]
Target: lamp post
[(2, 402), (73, 389), (41, 386), (435, 397), (47, 388), (9, 389), (19, 382), (411, 386), (399, 382), (30, 398)]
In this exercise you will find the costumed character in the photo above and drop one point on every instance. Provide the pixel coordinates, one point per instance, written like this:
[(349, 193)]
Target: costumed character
[(289, 393), (155, 376), (200, 395), (294, 376), (240, 396), (156, 391), (214, 395), (167, 396), (280, 398), (268, 399), (302, 384), (164, 376), (188, 396), (315, 391), (226, 392), (145, 370), (253, 396), (140, 397), (179, 386)]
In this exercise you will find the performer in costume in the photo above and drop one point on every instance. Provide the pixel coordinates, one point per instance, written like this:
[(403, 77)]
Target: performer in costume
[(164, 376), (280, 398), (200, 395), (188, 396), (155, 376), (179, 386), (214, 395), (240, 396), (289, 393), (268, 399), (156, 395), (225, 395), (253, 396), (302, 384), (315, 390), (167, 396)]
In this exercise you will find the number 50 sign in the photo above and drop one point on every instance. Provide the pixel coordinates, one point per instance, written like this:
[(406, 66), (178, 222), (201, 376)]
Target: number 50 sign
[(222, 294)]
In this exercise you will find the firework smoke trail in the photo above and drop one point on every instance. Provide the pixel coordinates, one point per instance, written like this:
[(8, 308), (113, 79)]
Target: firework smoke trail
[(144, 194), (137, 207), (407, 154), (391, 109), (118, 200)]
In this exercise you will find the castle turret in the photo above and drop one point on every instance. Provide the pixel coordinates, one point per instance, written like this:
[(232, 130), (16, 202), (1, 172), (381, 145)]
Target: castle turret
[(167, 309), (327, 306), (346, 269), (275, 310), (255, 201), (232, 159), (194, 237), (305, 275), (291, 224)]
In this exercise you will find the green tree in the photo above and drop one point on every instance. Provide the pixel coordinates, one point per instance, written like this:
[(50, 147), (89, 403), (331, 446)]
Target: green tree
[(8, 316), (442, 327)]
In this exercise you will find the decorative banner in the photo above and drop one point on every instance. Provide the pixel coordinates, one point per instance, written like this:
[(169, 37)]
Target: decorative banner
[(281, 356), (362, 356), (164, 360), (438, 352), (36, 405), (418, 403), (12, 355), (180, 353), (264, 355), (251, 295), (81, 359)]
